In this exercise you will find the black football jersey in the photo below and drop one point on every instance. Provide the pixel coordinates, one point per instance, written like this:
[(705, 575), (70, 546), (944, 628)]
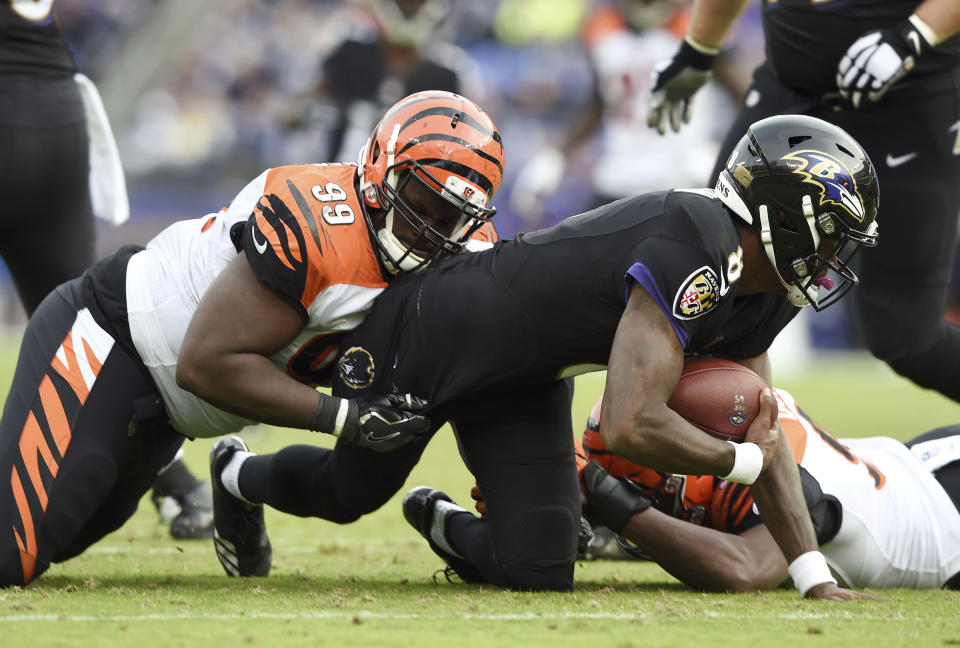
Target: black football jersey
[(31, 42), (360, 82), (805, 41), (547, 304)]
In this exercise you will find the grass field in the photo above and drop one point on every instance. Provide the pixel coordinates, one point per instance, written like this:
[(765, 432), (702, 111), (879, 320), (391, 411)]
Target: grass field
[(372, 584)]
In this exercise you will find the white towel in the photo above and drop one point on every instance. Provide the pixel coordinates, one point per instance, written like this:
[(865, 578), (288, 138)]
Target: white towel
[(108, 188)]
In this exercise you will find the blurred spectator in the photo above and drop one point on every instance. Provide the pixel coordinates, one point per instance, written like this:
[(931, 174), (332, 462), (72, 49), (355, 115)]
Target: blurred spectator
[(623, 39), (388, 49)]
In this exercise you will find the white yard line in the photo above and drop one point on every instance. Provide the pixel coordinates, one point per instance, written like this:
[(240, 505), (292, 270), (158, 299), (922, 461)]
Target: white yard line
[(363, 614)]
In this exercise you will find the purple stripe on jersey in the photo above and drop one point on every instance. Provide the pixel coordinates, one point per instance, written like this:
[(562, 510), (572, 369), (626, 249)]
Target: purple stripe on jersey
[(639, 273)]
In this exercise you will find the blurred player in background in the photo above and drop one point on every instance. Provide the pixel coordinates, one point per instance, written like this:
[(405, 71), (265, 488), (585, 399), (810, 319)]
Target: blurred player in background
[(623, 40), (884, 516), (388, 49), (99, 400), (58, 168), (888, 72)]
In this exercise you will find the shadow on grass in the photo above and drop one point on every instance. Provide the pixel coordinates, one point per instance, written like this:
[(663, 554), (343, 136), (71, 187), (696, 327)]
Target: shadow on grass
[(310, 584)]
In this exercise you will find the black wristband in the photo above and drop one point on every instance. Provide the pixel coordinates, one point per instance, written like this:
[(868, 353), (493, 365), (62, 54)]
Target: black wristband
[(325, 414), (690, 56), (912, 40)]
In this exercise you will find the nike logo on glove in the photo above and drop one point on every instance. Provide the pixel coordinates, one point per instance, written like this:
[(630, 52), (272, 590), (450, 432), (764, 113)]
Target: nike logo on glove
[(900, 159)]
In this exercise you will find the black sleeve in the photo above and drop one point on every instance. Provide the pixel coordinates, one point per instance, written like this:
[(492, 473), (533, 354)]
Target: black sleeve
[(683, 279)]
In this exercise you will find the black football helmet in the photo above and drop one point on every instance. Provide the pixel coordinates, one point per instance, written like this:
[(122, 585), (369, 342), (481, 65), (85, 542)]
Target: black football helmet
[(811, 191)]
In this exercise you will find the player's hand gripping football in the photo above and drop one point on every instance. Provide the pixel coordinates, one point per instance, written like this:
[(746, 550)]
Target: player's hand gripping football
[(764, 430), (877, 60), (385, 423), (673, 83)]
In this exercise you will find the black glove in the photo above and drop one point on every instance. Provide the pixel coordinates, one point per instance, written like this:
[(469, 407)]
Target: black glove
[(673, 82), (877, 60), (611, 501), (384, 423)]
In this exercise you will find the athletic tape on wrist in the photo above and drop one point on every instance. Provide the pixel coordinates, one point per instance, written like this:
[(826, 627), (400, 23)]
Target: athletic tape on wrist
[(341, 417), (330, 414), (808, 570), (747, 463), (925, 30), (700, 47)]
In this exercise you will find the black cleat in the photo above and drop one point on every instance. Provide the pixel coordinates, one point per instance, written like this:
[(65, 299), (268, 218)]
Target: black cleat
[(239, 533), (195, 519), (419, 507)]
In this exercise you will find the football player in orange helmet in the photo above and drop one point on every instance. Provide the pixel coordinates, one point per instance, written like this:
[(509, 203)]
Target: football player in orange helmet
[(230, 319), (448, 146), (885, 513)]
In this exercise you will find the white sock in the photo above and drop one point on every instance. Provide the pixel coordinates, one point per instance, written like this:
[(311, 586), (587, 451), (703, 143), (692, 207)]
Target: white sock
[(230, 476), (438, 531)]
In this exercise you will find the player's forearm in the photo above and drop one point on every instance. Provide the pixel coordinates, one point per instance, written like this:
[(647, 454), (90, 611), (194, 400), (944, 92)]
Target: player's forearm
[(711, 20), (659, 438), (645, 363), (703, 558), (250, 385), (942, 16), (779, 498)]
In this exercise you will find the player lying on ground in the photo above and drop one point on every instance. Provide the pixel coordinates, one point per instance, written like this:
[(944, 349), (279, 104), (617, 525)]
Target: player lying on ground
[(885, 513)]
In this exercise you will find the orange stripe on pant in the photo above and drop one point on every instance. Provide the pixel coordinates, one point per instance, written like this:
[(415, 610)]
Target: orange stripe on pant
[(33, 443)]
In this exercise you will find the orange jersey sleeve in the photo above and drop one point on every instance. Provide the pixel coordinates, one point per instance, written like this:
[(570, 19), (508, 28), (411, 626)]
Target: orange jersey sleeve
[(307, 233)]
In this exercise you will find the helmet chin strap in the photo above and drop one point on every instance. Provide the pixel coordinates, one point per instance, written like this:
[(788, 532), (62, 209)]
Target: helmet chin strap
[(392, 249), (796, 296)]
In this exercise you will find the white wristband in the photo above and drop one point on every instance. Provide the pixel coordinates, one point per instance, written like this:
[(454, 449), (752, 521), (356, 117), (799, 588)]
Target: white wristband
[(700, 47), (808, 570), (925, 30), (342, 412), (747, 463)]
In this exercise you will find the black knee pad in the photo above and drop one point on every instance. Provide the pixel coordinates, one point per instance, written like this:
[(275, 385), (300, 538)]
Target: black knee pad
[(341, 516), (558, 578), (543, 554)]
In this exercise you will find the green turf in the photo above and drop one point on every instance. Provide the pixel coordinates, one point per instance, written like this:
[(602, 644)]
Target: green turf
[(372, 583)]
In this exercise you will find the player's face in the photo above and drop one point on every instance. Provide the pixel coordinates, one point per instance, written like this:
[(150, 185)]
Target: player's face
[(437, 213)]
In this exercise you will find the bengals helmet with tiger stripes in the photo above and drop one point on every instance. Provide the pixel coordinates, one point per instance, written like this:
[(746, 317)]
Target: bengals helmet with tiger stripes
[(687, 497), (448, 145)]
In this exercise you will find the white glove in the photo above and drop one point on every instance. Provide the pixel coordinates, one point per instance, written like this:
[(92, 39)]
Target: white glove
[(674, 82), (538, 178), (878, 59)]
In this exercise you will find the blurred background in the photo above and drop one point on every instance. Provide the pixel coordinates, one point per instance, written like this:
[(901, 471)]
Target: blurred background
[(205, 95)]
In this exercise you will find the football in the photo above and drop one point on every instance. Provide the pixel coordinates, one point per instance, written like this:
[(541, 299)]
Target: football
[(721, 397)]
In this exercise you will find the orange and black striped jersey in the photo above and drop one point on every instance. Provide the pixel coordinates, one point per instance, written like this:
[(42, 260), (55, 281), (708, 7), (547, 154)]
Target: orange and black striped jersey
[(307, 235), (303, 232)]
